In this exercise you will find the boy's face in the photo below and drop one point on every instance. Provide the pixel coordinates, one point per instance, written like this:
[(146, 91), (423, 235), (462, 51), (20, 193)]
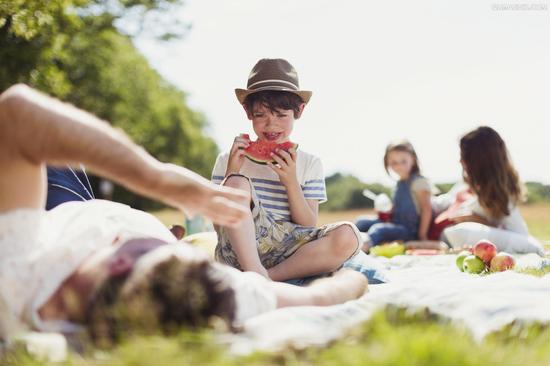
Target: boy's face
[(273, 126)]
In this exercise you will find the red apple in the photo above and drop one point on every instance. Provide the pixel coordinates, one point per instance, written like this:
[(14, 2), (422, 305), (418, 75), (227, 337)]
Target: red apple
[(485, 250), (501, 262)]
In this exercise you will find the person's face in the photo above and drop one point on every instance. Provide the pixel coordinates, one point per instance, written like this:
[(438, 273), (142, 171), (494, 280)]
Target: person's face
[(401, 162), (273, 126), (115, 260)]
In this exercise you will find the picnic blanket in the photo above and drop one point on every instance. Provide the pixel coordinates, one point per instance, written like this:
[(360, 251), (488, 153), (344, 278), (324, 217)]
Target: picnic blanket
[(482, 303)]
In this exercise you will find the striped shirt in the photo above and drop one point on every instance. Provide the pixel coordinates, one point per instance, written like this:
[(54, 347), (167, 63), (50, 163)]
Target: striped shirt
[(270, 191)]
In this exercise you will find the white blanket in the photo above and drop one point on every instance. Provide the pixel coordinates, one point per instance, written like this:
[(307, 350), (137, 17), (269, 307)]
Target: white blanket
[(482, 303)]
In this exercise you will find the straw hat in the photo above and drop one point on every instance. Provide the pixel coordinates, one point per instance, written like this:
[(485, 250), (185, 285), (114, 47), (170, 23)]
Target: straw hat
[(273, 74)]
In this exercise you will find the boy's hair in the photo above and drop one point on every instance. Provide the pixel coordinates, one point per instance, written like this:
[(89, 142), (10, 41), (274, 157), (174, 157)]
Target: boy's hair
[(173, 295), (489, 171), (404, 146), (274, 100)]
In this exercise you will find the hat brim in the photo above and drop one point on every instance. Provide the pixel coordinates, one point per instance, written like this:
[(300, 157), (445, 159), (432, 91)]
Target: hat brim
[(243, 93)]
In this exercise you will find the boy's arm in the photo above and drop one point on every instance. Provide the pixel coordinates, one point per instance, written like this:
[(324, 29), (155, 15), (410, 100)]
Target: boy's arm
[(424, 203), (303, 212), (36, 129)]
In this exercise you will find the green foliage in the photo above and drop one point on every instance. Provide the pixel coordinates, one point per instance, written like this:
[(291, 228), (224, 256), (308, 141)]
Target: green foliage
[(537, 192), (73, 50), (346, 192)]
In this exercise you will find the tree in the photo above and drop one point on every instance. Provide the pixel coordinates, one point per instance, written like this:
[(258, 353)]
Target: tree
[(73, 49)]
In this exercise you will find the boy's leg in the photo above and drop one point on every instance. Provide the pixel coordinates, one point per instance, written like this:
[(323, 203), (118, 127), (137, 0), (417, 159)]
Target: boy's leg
[(319, 256), (344, 285), (243, 236)]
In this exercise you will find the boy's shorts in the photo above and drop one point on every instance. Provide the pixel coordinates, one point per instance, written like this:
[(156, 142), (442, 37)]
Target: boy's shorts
[(276, 239)]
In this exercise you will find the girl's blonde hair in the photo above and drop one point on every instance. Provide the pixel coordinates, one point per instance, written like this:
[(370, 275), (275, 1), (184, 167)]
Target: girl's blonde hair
[(489, 171), (405, 146)]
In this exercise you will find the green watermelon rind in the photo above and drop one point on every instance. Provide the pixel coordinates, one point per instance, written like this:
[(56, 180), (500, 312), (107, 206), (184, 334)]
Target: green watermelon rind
[(264, 162)]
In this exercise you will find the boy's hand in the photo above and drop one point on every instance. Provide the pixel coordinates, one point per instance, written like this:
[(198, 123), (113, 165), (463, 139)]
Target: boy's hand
[(285, 166), (236, 155)]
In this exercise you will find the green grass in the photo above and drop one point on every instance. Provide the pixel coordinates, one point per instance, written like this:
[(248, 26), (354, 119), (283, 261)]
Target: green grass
[(390, 338)]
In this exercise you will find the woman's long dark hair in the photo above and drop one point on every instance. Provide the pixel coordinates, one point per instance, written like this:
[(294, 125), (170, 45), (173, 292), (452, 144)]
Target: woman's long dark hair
[(489, 171)]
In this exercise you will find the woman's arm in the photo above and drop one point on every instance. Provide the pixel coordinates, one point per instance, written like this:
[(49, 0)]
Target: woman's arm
[(36, 129), (470, 218), (425, 206)]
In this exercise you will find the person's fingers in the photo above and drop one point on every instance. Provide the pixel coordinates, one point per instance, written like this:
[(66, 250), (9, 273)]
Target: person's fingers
[(286, 156), (275, 167), (293, 154), (279, 160), (226, 212), (239, 145), (233, 193)]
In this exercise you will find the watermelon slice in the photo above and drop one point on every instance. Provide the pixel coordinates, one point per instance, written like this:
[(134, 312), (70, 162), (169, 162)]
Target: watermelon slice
[(259, 151)]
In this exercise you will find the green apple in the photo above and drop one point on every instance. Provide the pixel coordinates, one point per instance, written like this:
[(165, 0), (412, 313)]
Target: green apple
[(473, 264), (460, 259)]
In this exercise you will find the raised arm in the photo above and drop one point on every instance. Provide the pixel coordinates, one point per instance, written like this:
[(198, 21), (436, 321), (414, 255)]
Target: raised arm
[(36, 129)]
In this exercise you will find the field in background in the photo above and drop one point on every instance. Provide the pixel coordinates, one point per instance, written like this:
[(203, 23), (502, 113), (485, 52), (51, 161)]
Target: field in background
[(537, 217)]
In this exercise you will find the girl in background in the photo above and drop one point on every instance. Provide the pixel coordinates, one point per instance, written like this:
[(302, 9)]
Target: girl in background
[(412, 211), (492, 179)]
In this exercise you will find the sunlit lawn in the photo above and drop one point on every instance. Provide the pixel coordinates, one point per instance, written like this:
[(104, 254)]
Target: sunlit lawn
[(536, 215), (389, 339)]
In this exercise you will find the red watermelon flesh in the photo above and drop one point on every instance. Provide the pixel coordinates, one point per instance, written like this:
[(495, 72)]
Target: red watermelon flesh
[(259, 151)]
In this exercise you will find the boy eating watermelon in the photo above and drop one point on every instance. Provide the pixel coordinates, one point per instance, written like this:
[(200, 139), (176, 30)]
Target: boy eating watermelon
[(279, 239)]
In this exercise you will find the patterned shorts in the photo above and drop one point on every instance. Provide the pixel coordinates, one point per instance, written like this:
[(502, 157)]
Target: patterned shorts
[(276, 239)]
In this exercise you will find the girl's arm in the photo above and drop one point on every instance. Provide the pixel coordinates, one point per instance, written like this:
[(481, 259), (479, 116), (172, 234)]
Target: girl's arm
[(425, 206), (302, 212), (470, 218)]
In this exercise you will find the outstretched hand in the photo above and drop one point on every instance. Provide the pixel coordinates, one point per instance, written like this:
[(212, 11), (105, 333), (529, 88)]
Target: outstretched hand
[(285, 165), (195, 195), (219, 204)]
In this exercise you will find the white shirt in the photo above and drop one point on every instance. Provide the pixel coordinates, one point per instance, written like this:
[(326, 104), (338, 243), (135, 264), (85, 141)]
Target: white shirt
[(512, 222), (269, 189), (39, 250)]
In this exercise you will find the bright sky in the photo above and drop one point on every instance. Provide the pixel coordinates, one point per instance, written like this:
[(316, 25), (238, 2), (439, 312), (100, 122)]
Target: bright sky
[(379, 70)]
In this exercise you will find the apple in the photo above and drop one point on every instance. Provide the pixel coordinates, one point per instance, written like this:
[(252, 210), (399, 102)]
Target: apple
[(473, 264), (485, 250), (460, 259), (501, 262)]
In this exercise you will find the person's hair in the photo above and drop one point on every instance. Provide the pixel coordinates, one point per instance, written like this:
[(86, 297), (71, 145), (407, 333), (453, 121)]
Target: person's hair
[(404, 146), (489, 171), (173, 295), (274, 100)]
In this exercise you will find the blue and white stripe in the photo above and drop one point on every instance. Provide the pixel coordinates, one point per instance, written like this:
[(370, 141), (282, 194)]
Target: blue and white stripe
[(273, 197)]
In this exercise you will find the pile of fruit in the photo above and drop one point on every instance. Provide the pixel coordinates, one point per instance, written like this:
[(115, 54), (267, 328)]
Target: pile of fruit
[(484, 258), (388, 250)]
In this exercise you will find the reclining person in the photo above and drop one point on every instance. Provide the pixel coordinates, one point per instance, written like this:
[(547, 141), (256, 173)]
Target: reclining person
[(104, 264)]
